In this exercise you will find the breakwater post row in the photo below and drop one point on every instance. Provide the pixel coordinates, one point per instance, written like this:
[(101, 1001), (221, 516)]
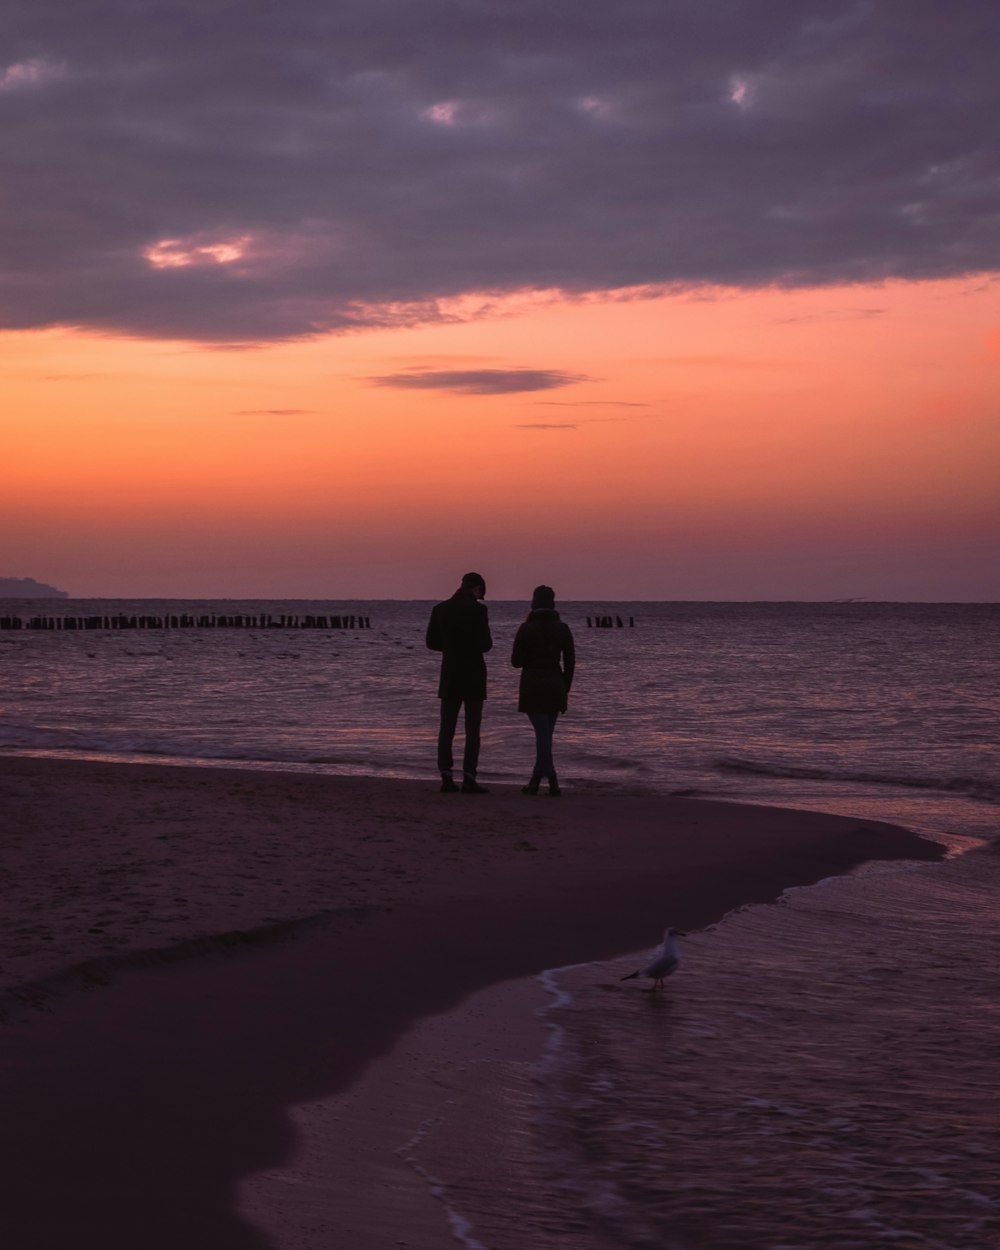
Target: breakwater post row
[(609, 622), (184, 621)]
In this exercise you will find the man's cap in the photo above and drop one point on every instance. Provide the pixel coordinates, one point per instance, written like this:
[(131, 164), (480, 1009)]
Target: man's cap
[(473, 579)]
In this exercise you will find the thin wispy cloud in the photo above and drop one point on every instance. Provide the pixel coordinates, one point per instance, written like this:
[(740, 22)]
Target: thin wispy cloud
[(589, 403), (546, 425), (272, 412), (834, 314), (72, 377), (479, 381), (721, 360), (243, 174)]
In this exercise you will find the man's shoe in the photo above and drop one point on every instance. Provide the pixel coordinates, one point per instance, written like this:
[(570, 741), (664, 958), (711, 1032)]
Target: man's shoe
[(531, 787), (448, 786), (473, 787)]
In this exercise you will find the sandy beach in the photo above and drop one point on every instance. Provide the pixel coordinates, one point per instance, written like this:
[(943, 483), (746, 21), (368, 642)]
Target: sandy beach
[(192, 958)]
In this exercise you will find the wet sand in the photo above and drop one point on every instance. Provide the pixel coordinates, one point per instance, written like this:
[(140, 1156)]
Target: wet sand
[(190, 953)]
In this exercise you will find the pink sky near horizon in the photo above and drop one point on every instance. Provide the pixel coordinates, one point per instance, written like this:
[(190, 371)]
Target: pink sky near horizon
[(807, 444)]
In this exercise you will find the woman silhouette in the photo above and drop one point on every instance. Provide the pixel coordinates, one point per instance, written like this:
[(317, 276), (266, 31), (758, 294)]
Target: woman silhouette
[(544, 652)]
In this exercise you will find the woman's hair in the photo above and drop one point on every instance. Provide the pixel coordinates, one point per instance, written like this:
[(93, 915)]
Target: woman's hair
[(543, 597)]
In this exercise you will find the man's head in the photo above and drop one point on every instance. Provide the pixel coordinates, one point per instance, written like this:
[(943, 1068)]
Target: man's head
[(474, 584)]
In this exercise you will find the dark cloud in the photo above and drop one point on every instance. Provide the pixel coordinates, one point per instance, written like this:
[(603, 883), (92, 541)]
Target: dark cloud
[(248, 172), (479, 381)]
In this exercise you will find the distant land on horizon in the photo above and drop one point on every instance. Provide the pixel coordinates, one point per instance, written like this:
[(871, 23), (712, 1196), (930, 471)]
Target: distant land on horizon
[(28, 588)]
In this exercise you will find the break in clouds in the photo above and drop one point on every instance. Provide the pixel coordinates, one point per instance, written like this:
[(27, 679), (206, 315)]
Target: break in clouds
[(239, 173)]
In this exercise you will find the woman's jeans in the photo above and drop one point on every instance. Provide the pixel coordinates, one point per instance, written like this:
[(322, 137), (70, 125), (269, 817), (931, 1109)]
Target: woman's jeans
[(544, 724)]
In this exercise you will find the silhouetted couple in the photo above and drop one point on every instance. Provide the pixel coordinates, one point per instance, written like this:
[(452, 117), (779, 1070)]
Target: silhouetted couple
[(543, 650)]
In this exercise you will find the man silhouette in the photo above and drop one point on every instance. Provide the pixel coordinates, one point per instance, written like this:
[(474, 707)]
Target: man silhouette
[(460, 629)]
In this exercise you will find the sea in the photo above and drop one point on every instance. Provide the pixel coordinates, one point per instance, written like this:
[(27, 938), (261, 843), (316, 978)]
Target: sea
[(882, 710), (820, 1073)]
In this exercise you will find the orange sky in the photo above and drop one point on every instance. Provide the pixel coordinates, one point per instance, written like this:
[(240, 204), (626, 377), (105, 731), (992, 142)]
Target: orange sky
[(776, 445)]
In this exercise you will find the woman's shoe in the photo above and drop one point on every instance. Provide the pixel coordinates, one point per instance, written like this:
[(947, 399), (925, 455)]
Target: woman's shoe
[(531, 787), (554, 791)]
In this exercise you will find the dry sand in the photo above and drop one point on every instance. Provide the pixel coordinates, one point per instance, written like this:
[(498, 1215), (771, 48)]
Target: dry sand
[(190, 953)]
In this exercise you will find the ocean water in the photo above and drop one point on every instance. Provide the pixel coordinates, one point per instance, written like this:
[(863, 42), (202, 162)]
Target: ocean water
[(888, 711), (821, 1074)]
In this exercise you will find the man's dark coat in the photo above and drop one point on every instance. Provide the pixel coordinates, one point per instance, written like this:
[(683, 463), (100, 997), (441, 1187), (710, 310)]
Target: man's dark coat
[(460, 629)]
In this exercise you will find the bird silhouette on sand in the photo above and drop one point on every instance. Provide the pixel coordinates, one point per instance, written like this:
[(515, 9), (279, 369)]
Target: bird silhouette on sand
[(666, 960)]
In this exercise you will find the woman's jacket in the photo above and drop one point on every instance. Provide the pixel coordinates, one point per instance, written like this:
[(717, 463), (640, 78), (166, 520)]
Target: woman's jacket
[(544, 652)]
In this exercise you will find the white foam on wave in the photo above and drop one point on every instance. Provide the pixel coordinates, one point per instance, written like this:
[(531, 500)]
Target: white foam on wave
[(462, 1228)]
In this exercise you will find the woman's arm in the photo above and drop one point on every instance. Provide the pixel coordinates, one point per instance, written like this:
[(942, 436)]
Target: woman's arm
[(517, 654), (569, 658)]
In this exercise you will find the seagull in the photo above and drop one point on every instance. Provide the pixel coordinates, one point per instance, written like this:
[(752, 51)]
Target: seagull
[(666, 960)]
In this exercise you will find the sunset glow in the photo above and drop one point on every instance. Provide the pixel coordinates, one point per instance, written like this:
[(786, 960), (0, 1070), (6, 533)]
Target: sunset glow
[(704, 333), (811, 443)]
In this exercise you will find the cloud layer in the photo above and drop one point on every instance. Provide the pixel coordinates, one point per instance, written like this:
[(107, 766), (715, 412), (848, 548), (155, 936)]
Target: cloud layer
[(479, 381), (249, 172)]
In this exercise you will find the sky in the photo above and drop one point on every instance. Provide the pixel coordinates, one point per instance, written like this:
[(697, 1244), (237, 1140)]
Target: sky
[(665, 299)]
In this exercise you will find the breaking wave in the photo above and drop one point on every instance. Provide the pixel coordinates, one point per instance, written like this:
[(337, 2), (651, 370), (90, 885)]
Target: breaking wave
[(973, 787)]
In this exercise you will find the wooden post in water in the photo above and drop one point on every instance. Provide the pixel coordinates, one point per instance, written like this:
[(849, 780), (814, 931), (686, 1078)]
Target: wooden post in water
[(184, 620)]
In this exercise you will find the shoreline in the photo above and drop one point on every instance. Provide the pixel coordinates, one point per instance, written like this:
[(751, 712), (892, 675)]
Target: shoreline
[(409, 903)]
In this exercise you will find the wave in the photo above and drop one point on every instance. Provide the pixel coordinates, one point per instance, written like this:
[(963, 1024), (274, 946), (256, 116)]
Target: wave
[(581, 757), (973, 787), (75, 742), (41, 738)]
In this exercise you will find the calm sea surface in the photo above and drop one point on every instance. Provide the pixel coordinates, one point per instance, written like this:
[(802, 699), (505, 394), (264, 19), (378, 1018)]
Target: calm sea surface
[(819, 1075), (888, 711)]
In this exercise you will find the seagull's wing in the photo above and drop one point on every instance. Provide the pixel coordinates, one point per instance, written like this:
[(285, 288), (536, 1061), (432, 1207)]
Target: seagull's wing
[(661, 967), (665, 961)]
